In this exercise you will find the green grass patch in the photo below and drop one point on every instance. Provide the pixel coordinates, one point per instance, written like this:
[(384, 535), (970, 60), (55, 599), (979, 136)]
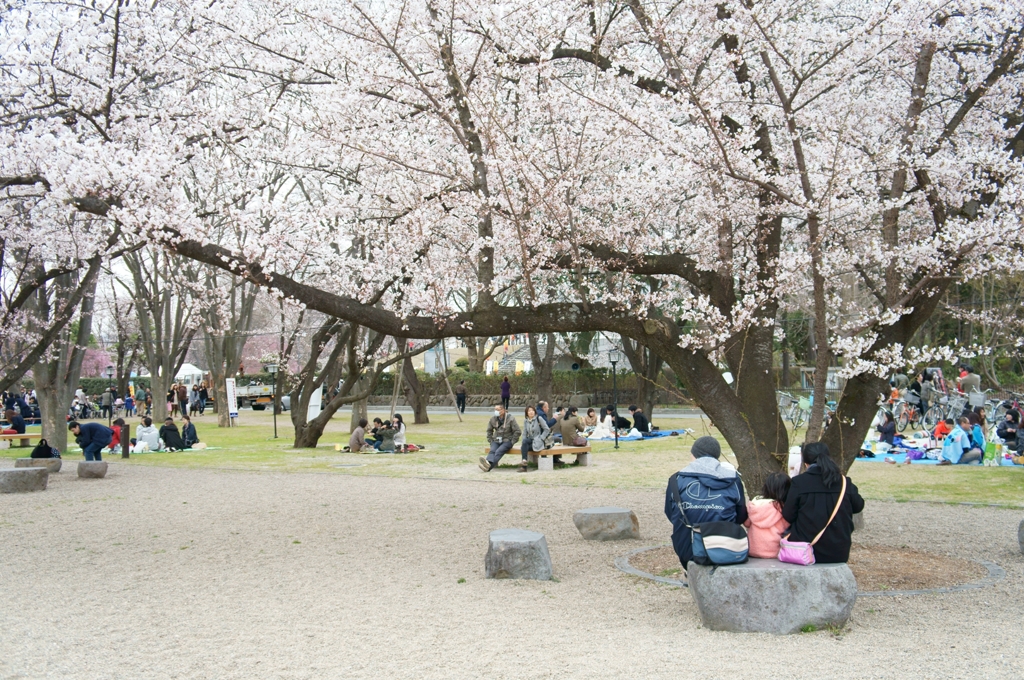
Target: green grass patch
[(453, 447)]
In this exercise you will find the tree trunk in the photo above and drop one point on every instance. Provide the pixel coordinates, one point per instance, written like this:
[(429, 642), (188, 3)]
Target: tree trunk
[(646, 365), (477, 353), (543, 367), (416, 393)]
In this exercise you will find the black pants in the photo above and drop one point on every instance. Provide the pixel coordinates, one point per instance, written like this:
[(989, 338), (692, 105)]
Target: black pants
[(504, 402), (460, 402)]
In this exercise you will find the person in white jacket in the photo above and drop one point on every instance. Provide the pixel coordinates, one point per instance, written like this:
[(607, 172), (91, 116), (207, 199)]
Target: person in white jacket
[(148, 435), (399, 426)]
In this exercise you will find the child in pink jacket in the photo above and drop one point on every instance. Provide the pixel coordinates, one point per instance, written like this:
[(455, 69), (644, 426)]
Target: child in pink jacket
[(765, 525)]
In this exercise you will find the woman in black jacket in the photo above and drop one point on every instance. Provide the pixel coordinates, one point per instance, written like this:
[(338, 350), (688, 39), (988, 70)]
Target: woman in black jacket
[(887, 430), (1007, 430), (810, 502)]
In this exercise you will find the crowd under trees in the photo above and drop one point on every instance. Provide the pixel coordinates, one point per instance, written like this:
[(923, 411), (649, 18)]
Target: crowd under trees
[(683, 175)]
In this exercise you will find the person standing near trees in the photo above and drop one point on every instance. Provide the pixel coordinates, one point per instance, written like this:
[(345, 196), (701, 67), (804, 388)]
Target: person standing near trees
[(460, 396), (506, 393), (183, 399), (106, 403), (204, 396)]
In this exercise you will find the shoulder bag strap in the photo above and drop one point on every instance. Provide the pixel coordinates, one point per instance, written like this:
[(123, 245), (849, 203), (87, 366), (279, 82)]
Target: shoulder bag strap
[(834, 511), (673, 483)]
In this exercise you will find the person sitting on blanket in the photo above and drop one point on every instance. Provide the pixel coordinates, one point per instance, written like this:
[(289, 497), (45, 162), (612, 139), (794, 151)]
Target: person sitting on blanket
[(115, 440), (502, 434), (170, 437), (887, 430), (709, 492), (590, 420), (147, 435), (640, 422), (943, 428), (188, 432), (357, 442), (1007, 430), (957, 448), (385, 438)]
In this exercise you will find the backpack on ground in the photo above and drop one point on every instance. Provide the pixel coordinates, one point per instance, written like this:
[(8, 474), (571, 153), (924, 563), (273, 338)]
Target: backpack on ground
[(713, 543), (44, 450)]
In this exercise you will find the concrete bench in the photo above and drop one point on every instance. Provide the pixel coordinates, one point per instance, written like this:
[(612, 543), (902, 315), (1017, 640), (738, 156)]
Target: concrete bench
[(25, 437), (17, 480), (544, 461), (607, 523), (51, 464), (768, 596)]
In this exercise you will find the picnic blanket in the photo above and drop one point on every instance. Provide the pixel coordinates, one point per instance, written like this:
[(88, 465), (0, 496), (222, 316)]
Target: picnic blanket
[(901, 459), (635, 436)]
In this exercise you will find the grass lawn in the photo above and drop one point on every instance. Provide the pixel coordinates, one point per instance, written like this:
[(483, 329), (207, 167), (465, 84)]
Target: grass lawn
[(453, 448)]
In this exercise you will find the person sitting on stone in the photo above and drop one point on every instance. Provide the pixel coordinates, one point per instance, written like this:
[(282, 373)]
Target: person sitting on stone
[(92, 437), (709, 492), (502, 434), (765, 524), (170, 437), (640, 422), (357, 440), (147, 437)]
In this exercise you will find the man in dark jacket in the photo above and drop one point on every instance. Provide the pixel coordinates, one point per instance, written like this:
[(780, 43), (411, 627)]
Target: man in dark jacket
[(709, 491), (640, 421), (92, 437)]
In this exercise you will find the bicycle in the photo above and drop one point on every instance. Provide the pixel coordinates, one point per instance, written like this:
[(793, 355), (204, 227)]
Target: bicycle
[(1015, 402)]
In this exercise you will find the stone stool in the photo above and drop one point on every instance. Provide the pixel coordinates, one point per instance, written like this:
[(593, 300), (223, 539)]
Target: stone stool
[(51, 464), (858, 521), (768, 596), (1020, 536), (517, 553), (17, 480), (92, 469), (607, 523)]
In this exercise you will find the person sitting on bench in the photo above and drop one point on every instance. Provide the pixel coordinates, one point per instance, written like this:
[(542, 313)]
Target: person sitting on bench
[(16, 423), (502, 434)]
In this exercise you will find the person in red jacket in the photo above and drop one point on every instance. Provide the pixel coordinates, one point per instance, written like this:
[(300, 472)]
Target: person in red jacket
[(115, 441)]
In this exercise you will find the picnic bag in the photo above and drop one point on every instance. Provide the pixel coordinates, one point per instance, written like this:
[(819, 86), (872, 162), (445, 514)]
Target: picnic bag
[(44, 450), (713, 543), (801, 552)]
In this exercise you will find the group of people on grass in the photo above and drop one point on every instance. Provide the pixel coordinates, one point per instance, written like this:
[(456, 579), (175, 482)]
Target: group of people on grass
[(94, 437), (812, 504), (963, 439), (383, 437)]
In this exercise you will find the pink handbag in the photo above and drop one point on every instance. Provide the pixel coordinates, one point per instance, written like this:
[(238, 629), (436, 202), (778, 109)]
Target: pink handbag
[(801, 552)]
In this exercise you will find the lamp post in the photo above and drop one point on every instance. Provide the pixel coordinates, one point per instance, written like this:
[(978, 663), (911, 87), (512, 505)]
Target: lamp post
[(272, 370), (109, 372), (613, 357)]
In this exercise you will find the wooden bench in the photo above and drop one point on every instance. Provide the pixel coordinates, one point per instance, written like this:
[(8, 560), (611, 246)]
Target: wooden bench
[(544, 459), (25, 438)]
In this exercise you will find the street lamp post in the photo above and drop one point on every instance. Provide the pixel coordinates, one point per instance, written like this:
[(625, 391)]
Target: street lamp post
[(613, 357), (272, 370), (109, 372)]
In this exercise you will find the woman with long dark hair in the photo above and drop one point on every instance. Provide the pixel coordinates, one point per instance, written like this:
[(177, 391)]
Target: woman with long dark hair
[(811, 500)]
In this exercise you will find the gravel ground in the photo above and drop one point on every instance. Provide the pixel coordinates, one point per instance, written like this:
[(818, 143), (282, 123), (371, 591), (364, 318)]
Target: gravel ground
[(176, 573)]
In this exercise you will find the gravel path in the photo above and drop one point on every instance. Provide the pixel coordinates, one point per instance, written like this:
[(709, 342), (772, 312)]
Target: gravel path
[(175, 573)]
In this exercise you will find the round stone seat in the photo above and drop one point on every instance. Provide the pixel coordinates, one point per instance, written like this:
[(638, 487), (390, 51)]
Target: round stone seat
[(18, 480), (51, 464), (607, 523), (517, 553), (92, 469), (1020, 536), (768, 596)]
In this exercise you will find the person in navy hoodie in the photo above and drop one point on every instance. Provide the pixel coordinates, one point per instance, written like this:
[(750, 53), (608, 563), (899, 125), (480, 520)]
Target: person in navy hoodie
[(709, 491), (92, 437)]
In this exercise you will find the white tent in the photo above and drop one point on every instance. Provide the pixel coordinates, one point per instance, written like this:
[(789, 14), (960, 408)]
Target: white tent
[(189, 374)]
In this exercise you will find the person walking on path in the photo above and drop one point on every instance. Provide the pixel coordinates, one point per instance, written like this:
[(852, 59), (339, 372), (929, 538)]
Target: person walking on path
[(92, 437), (811, 500), (506, 393), (502, 434), (460, 396)]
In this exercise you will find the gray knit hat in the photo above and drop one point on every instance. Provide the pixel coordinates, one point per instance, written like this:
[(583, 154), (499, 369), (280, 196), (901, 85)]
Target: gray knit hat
[(706, 446)]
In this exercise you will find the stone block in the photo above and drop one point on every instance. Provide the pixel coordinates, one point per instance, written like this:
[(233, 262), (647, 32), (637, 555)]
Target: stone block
[(51, 464), (517, 553), (92, 469), (858, 521), (545, 463), (17, 480), (607, 524), (768, 596), (583, 459), (1020, 536), (580, 400)]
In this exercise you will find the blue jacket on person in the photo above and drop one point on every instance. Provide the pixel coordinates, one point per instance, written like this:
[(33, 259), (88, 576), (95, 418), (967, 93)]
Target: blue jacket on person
[(94, 433), (710, 492)]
